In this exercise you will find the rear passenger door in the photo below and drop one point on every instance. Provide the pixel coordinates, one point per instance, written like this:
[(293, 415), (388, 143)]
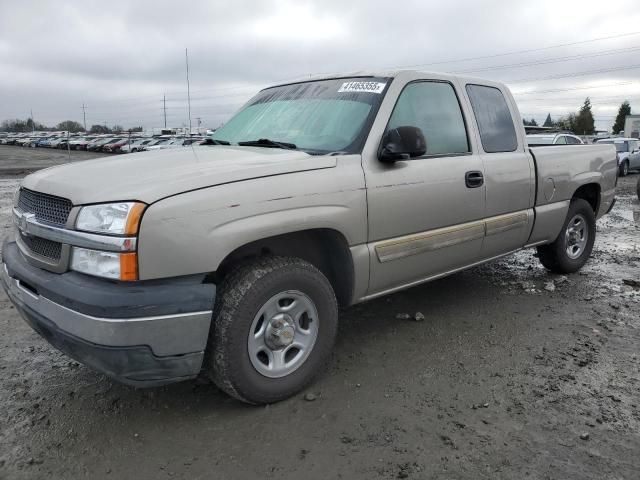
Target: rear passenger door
[(508, 168)]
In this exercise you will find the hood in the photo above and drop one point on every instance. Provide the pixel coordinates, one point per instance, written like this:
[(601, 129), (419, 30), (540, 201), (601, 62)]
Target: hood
[(150, 176)]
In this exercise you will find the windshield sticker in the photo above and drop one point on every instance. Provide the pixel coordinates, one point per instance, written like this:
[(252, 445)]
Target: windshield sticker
[(362, 87)]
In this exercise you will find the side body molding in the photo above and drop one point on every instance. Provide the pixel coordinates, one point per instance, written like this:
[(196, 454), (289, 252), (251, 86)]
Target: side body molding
[(388, 250)]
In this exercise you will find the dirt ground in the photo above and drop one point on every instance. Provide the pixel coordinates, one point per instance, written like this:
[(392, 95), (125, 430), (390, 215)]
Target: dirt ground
[(514, 373)]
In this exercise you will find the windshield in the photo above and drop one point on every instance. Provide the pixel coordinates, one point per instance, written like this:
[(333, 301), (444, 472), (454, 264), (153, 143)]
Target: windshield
[(620, 146), (318, 117)]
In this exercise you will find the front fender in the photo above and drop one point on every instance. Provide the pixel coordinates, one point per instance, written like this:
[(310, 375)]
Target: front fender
[(193, 232)]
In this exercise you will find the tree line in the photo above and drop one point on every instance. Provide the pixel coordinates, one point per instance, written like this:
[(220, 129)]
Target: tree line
[(29, 125), (582, 122)]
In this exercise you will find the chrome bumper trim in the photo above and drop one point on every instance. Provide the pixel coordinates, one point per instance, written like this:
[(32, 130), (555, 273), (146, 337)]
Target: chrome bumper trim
[(166, 335), (28, 225)]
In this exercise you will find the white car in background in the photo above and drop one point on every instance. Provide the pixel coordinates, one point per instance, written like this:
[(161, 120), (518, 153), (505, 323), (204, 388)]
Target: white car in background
[(136, 145), (541, 139), (80, 143), (173, 143), (628, 152)]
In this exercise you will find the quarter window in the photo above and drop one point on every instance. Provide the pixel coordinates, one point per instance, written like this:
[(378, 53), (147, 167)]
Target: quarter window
[(494, 119), (433, 107)]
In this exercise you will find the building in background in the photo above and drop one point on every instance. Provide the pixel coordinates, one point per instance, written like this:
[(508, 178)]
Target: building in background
[(632, 126)]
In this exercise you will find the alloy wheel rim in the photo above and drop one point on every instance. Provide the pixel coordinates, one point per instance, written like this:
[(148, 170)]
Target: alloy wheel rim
[(283, 334), (576, 236)]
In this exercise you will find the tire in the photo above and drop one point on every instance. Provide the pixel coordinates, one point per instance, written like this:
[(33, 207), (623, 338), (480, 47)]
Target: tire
[(244, 364), (624, 168), (571, 250)]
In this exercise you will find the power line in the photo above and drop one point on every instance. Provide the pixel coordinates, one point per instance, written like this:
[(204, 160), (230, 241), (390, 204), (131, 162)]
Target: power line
[(555, 90), (572, 75), (551, 60), (517, 52)]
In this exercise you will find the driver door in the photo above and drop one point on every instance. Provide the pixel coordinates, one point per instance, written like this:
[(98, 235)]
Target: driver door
[(425, 216)]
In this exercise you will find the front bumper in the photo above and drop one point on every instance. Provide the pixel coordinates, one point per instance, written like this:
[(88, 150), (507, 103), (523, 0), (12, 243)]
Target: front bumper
[(143, 333)]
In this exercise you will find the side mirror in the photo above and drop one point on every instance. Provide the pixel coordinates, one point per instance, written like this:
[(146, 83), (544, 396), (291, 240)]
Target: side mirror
[(402, 143)]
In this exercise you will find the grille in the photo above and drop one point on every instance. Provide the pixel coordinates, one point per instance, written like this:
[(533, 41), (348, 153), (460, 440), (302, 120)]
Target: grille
[(43, 247), (47, 208)]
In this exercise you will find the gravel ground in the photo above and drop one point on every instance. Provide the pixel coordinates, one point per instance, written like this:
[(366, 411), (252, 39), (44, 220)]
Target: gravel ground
[(513, 373)]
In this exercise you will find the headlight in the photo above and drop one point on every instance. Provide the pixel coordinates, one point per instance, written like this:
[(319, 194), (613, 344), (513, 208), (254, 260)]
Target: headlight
[(118, 266), (111, 218)]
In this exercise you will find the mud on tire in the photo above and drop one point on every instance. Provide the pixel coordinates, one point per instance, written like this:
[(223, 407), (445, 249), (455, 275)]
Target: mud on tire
[(571, 250), (243, 295)]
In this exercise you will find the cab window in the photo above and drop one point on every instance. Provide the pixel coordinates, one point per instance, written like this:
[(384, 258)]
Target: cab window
[(432, 107), (494, 119)]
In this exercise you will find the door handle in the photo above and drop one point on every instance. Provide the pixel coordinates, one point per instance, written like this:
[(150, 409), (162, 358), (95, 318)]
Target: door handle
[(474, 179)]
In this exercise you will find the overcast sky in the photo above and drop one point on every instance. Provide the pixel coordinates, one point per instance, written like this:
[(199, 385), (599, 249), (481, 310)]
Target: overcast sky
[(120, 57)]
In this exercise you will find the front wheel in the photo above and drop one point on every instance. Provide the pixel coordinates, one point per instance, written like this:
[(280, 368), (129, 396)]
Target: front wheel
[(571, 250), (274, 326)]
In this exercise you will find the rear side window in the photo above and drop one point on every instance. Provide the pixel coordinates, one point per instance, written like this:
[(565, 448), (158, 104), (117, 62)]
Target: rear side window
[(561, 140), (494, 119), (433, 107)]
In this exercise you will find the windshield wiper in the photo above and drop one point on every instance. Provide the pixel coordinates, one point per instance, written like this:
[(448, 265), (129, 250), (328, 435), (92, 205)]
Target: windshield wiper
[(213, 141), (265, 142)]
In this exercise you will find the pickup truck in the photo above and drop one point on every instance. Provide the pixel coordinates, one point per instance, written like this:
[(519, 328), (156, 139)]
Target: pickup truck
[(231, 259)]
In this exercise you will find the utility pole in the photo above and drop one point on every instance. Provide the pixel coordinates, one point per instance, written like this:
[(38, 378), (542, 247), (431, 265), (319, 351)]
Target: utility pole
[(186, 55), (33, 123), (84, 118), (164, 107)]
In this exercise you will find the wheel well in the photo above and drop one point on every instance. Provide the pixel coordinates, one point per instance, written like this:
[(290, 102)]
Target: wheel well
[(591, 193), (325, 249)]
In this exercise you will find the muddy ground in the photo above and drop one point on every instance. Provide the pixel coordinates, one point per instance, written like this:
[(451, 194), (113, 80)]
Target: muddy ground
[(503, 379)]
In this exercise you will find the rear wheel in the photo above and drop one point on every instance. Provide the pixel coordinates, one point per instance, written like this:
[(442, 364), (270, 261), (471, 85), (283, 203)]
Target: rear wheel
[(624, 168), (571, 250), (275, 322)]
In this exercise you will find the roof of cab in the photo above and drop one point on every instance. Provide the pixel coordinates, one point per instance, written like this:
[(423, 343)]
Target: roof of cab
[(386, 74)]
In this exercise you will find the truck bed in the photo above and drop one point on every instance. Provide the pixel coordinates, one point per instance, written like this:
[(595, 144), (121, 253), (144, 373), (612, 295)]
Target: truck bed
[(560, 168)]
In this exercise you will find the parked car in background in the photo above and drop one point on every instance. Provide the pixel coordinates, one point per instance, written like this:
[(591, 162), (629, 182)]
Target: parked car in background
[(541, 139), (109, 144), (628, 150), (154, 143), (53, 143), (173, 143), (114, 147), (136, 145), (23, 142), (64, 143), (80, 143), (96, 145), (43, 142)]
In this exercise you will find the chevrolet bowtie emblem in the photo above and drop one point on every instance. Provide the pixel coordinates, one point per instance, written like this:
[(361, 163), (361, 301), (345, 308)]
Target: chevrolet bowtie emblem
[(22, 223)]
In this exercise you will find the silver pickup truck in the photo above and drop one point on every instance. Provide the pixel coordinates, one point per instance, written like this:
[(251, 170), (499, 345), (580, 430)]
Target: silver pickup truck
[(232, 258)]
